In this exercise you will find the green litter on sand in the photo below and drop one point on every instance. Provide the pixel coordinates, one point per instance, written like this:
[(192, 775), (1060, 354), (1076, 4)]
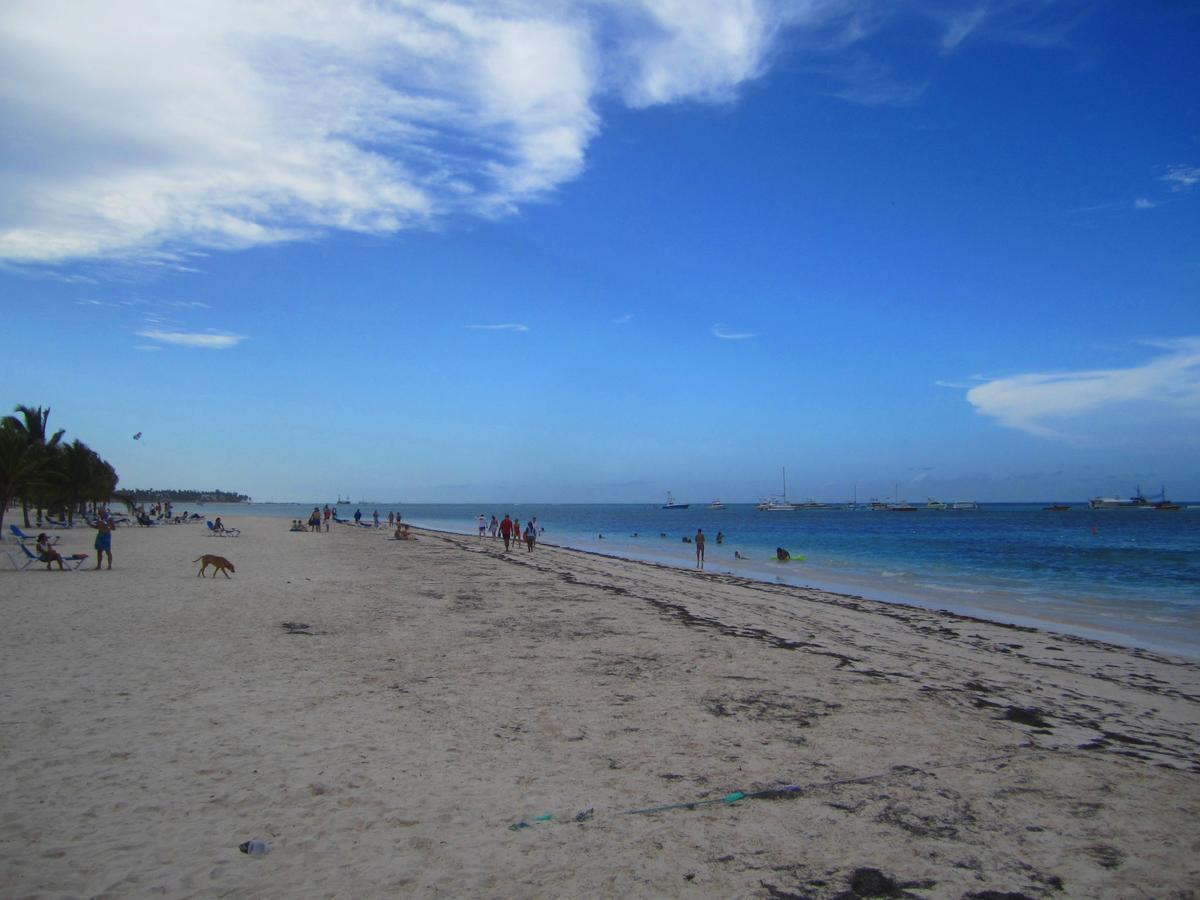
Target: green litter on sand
[(733, 798)]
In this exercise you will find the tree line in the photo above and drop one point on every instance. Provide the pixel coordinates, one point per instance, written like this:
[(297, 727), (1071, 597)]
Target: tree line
[(42, 472), (155, 495)]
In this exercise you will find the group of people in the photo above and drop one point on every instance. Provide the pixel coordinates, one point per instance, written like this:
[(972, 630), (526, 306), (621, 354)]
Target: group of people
[(103, 544), (508, 529)]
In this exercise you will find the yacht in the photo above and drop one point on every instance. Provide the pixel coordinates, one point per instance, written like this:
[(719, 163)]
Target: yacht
[(1137, 501), (777, 504), (936, 504), (964, 504), (716, 504), (671, 504)]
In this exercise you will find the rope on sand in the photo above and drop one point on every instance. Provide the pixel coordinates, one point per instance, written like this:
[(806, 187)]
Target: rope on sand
[(786, 792)]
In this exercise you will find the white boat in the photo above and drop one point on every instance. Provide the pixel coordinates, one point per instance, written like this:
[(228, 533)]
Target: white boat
[(1137, 501), (716, 504), (777, 504), (964, 504), (936, 504), (671, 504)]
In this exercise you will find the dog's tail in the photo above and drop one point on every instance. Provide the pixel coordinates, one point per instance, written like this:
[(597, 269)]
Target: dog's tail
[(198, 558)]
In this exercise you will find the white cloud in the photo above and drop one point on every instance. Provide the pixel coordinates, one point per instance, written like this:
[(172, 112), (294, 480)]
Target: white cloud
[(1158, 399), (207, 340), (1181, 178), (143, 130), (149, 131), (512, 326), (623, 320), (719, 331), (1144, 203), (960, 25)]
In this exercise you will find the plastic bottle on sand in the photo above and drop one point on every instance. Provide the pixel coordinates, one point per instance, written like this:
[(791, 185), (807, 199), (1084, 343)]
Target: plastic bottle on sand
[(254, 848)]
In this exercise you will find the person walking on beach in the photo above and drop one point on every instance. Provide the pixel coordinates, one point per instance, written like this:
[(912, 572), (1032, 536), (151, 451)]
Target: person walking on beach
[(483, 525), (699, 548), (506, 531), (530, 537), (375, 518), (314, 520), (103, 544), (494, 528), (358, 517), (328, 516)]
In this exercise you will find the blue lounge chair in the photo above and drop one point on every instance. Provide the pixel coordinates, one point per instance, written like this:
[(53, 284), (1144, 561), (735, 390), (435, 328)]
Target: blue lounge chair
[(23, 537), (73, 562)]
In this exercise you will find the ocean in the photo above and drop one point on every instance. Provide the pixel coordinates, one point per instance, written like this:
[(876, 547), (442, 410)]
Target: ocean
[(1130, 577)]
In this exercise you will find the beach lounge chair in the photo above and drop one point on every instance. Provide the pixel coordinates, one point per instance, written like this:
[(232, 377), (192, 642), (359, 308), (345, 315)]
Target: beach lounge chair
[(73, 562), (23, 537), (225, 531)]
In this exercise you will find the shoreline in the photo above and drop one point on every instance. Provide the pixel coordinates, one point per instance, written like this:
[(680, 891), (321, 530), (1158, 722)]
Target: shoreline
[(439, 718), (870, 593)]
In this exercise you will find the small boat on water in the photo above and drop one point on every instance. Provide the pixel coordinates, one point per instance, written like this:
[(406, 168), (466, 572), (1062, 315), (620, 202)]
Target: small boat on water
[(716, 504), (901, 507), (671, 504), (936, 504), (1056, 507), (777, 504), (964, 504)]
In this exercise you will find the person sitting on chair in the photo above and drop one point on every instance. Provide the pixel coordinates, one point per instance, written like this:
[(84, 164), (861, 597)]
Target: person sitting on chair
[(46, 553)]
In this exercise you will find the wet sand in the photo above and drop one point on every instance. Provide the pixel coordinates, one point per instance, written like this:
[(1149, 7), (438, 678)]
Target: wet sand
[(401, 717)]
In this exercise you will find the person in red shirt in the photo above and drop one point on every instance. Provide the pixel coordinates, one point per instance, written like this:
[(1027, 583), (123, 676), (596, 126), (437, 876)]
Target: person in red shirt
[(506, 531)]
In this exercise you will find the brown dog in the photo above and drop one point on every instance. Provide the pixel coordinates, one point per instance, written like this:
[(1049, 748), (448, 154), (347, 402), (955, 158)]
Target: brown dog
[(219, 564)]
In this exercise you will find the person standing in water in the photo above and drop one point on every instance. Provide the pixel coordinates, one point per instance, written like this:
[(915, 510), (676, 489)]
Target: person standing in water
[(699, 548)]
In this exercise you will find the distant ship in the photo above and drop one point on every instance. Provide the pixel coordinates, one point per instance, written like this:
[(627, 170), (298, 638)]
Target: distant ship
[(671, 504), (716, 504), (1137, 501), (964, 504), (1057, 507), (776, 504)]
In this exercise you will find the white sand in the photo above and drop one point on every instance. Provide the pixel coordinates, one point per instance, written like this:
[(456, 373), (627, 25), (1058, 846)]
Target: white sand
[(151, 721)]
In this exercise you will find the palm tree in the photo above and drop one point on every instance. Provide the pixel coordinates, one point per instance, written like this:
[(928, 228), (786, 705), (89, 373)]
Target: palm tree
[(76, 466), (30, 424), (19, 465)]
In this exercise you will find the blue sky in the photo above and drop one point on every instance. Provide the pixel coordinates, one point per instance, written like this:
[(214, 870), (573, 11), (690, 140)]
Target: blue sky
[(598, 251)]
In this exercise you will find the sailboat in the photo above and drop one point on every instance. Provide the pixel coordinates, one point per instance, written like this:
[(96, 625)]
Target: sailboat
[(776, 504)]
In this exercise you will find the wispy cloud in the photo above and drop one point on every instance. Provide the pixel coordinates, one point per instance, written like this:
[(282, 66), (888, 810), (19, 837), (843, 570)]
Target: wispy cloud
[(1131, 404), (1144, 203), (511, 326), (960, 25), (719, 331), (206, 340), (1182, 178), (623, 320), (163, 128)]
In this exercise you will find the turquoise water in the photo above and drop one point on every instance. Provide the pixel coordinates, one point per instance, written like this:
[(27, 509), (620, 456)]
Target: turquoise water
[(1127, 576)]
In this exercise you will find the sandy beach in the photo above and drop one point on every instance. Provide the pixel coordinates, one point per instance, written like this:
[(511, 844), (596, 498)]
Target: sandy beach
[(438, 718)]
